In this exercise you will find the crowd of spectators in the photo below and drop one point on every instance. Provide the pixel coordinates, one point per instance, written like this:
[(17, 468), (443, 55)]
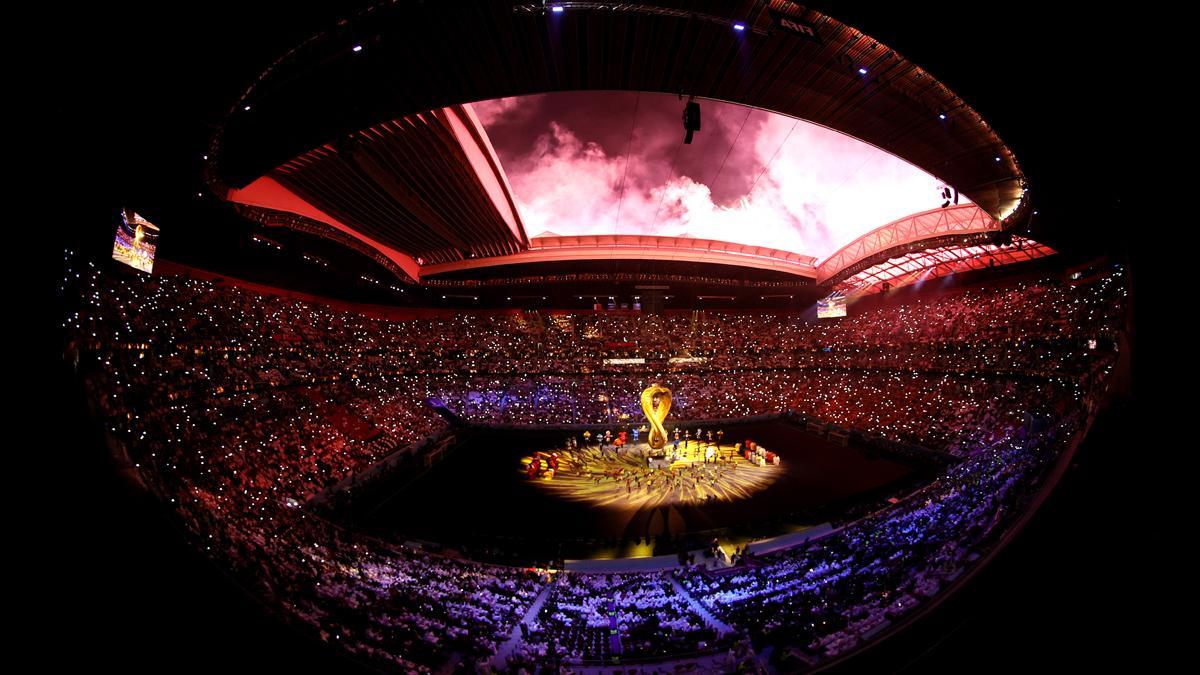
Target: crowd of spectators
[(586, 617), (213, 335), (951, 412), (842, 587), (237, 407)]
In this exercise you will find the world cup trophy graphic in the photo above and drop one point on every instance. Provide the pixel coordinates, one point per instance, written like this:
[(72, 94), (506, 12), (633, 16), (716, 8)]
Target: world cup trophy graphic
[(658, 433)]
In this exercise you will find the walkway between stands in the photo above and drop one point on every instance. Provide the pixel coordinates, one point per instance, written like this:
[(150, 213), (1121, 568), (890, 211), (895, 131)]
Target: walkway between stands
[(712, 621), (500, 660)]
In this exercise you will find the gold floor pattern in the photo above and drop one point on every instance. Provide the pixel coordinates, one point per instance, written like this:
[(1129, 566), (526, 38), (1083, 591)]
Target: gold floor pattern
[(623, 480)]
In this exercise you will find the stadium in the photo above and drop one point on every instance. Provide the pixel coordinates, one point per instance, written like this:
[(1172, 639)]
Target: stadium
[(541, 337)]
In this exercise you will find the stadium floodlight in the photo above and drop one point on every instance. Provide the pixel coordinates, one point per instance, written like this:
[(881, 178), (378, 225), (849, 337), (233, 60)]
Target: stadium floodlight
[(557, 9), (739, 26), (862, 71)]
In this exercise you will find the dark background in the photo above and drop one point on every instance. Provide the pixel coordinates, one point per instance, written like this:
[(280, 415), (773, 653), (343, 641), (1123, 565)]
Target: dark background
[(134, 92)]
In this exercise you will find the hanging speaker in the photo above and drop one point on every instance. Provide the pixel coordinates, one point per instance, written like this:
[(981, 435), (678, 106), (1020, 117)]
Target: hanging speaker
[(691, 120)]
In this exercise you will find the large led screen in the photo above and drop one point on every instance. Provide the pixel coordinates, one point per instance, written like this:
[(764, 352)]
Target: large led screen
[(135, 242), (831, 307)]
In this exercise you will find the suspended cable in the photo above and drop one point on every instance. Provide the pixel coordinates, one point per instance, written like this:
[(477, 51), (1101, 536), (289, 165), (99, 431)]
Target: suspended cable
[(768, 164), (625, 171), (850, 175), (663, 193), (712, 184)]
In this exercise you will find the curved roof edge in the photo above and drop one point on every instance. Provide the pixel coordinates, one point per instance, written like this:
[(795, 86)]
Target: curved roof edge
[(965, 219), (641, 247)]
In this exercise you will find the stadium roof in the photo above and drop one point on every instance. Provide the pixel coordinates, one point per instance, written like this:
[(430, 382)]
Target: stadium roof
[(363, 127), (939, 261)]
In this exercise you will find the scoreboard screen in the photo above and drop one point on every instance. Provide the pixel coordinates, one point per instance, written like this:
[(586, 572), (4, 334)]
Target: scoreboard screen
[(135, 242), (831, 307)]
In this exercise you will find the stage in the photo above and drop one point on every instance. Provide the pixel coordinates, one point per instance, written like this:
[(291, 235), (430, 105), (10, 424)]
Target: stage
[(635, 476), (483, 497)]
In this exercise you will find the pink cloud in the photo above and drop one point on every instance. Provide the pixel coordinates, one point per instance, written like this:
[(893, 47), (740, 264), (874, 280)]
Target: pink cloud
[(786, 184), (495, 109)]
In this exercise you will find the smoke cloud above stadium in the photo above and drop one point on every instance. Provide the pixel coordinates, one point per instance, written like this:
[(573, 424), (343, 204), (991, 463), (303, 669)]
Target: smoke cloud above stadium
[(615, 163)]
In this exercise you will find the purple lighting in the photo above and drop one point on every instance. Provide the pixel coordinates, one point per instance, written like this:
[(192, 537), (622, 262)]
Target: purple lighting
[(739, 26), (356, 48), (556, 9), (862, 71)]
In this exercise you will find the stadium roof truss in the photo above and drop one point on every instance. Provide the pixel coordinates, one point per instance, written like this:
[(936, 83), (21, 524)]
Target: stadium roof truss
[(424, 189), (886, 241), (644, 247), (938, 262)]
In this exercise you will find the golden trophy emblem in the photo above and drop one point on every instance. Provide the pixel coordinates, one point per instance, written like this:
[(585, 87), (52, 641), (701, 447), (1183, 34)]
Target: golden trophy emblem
[(658, 433)]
